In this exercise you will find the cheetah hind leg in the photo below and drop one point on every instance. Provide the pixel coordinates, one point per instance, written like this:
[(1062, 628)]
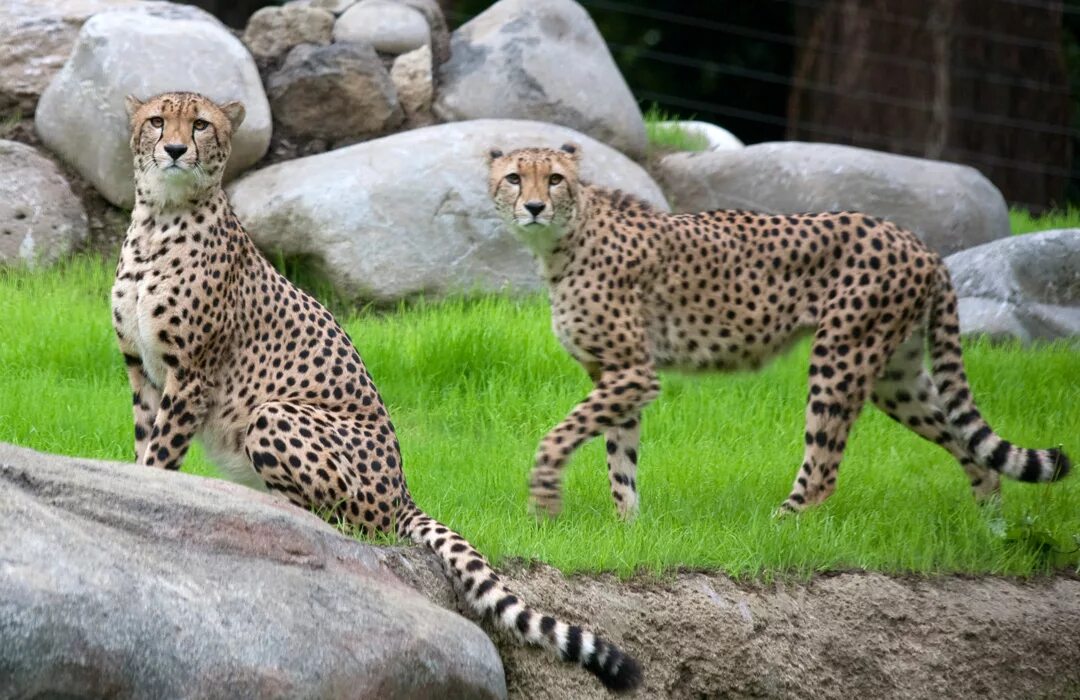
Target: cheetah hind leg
[(839, 385), (905, 392), (346, 470)]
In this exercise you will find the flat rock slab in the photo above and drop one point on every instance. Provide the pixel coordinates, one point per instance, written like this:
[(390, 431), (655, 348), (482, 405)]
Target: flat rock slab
[(410, 214), (128, 582), (836, 637), (951, 207), (1023, 288)]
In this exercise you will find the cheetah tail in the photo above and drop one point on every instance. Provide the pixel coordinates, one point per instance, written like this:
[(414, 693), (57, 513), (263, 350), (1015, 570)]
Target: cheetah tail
[(485, 593), (986, 447)]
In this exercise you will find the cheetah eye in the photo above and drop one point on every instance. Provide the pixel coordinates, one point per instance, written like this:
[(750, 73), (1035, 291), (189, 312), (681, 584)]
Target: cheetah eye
[(513, 179), (555, 179), (157, 122), (200, 124)]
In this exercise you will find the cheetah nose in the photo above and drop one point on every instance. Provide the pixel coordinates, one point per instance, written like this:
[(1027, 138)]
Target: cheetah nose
[(175, 150), (534, 207)]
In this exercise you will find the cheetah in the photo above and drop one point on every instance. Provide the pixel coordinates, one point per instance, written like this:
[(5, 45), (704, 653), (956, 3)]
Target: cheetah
[(633, 289), (220, 346)]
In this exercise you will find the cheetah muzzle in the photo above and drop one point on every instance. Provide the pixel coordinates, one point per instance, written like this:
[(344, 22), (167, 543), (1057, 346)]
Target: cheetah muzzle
[(220, 346), (633, 289)]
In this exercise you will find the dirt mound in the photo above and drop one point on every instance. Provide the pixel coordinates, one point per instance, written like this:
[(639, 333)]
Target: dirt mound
[(855, 635)]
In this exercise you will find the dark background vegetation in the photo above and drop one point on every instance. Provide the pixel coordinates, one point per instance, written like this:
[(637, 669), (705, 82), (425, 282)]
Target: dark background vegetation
[(990, 83)]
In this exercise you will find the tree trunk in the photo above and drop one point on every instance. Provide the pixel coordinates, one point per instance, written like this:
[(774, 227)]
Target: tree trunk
[(980, 82)]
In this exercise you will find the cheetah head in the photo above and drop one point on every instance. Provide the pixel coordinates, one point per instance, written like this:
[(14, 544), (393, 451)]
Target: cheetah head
[(181, 142), (536, 191)]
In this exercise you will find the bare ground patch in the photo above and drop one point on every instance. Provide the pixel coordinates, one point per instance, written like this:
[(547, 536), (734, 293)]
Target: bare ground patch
[(851, 635)]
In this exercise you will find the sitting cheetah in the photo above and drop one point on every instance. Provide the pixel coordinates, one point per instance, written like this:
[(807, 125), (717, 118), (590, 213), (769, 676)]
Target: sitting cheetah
[(219, 345), (633, 289)]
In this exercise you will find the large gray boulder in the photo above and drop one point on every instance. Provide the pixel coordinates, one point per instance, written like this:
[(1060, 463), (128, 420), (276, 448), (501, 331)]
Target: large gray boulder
[(336, 92), (1023, 287), (81, 115), (410, 214), (41, 219), (38, 37), (130, 582), (951, 207), (546, 61)]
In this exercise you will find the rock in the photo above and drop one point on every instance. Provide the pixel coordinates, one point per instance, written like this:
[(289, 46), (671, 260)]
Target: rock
[(411, 75), (1022, 287), (388, 26), (440, 34), (717, 138), (521, 59), (81, 114), (41, 219), (410, 214), (337, 92), (272, 31), (335, 6), (39, 36), (951, 207), (129, 582)]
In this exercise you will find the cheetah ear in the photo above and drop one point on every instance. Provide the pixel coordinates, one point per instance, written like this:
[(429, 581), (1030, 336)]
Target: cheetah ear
[(492, 154), (235, 112), (132, 104), (573, 149)]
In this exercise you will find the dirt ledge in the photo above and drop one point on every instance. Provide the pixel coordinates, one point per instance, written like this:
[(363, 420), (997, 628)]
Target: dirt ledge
[(852, 635)]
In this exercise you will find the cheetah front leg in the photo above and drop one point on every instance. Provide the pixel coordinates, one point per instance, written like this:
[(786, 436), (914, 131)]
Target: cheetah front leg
[(618, 397), (145, 400), (622, 455), (180, 413)]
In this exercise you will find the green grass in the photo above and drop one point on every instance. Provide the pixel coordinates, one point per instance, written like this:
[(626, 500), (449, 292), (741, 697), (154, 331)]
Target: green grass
[(473, 385), (1022, 221), (667, 137)]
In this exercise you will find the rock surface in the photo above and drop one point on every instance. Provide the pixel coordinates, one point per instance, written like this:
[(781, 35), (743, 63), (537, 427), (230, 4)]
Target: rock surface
[(521, 59), (1023, 287), (81, 114), (134, 582), (41, 219), (38, 37), (272, 31), (951, 207), (412, 78), (410, 214), (440, 34), (337, 92), (335, 6), (388, 26)]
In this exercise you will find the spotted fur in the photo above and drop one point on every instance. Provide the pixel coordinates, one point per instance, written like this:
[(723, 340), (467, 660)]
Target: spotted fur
[(220, 346), (633, 289)]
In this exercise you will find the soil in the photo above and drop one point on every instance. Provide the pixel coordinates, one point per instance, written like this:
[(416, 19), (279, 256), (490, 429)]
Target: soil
[(847, 636)]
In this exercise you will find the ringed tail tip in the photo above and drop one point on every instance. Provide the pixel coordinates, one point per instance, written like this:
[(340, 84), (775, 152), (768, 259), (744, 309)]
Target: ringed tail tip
[(1061, 463), (624, 678)]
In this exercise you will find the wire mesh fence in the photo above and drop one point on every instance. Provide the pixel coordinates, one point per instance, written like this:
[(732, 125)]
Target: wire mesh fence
[(987, 83)]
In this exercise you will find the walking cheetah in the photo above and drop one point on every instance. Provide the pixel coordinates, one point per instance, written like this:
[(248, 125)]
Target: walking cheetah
[(633, 289), (219, 345)]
